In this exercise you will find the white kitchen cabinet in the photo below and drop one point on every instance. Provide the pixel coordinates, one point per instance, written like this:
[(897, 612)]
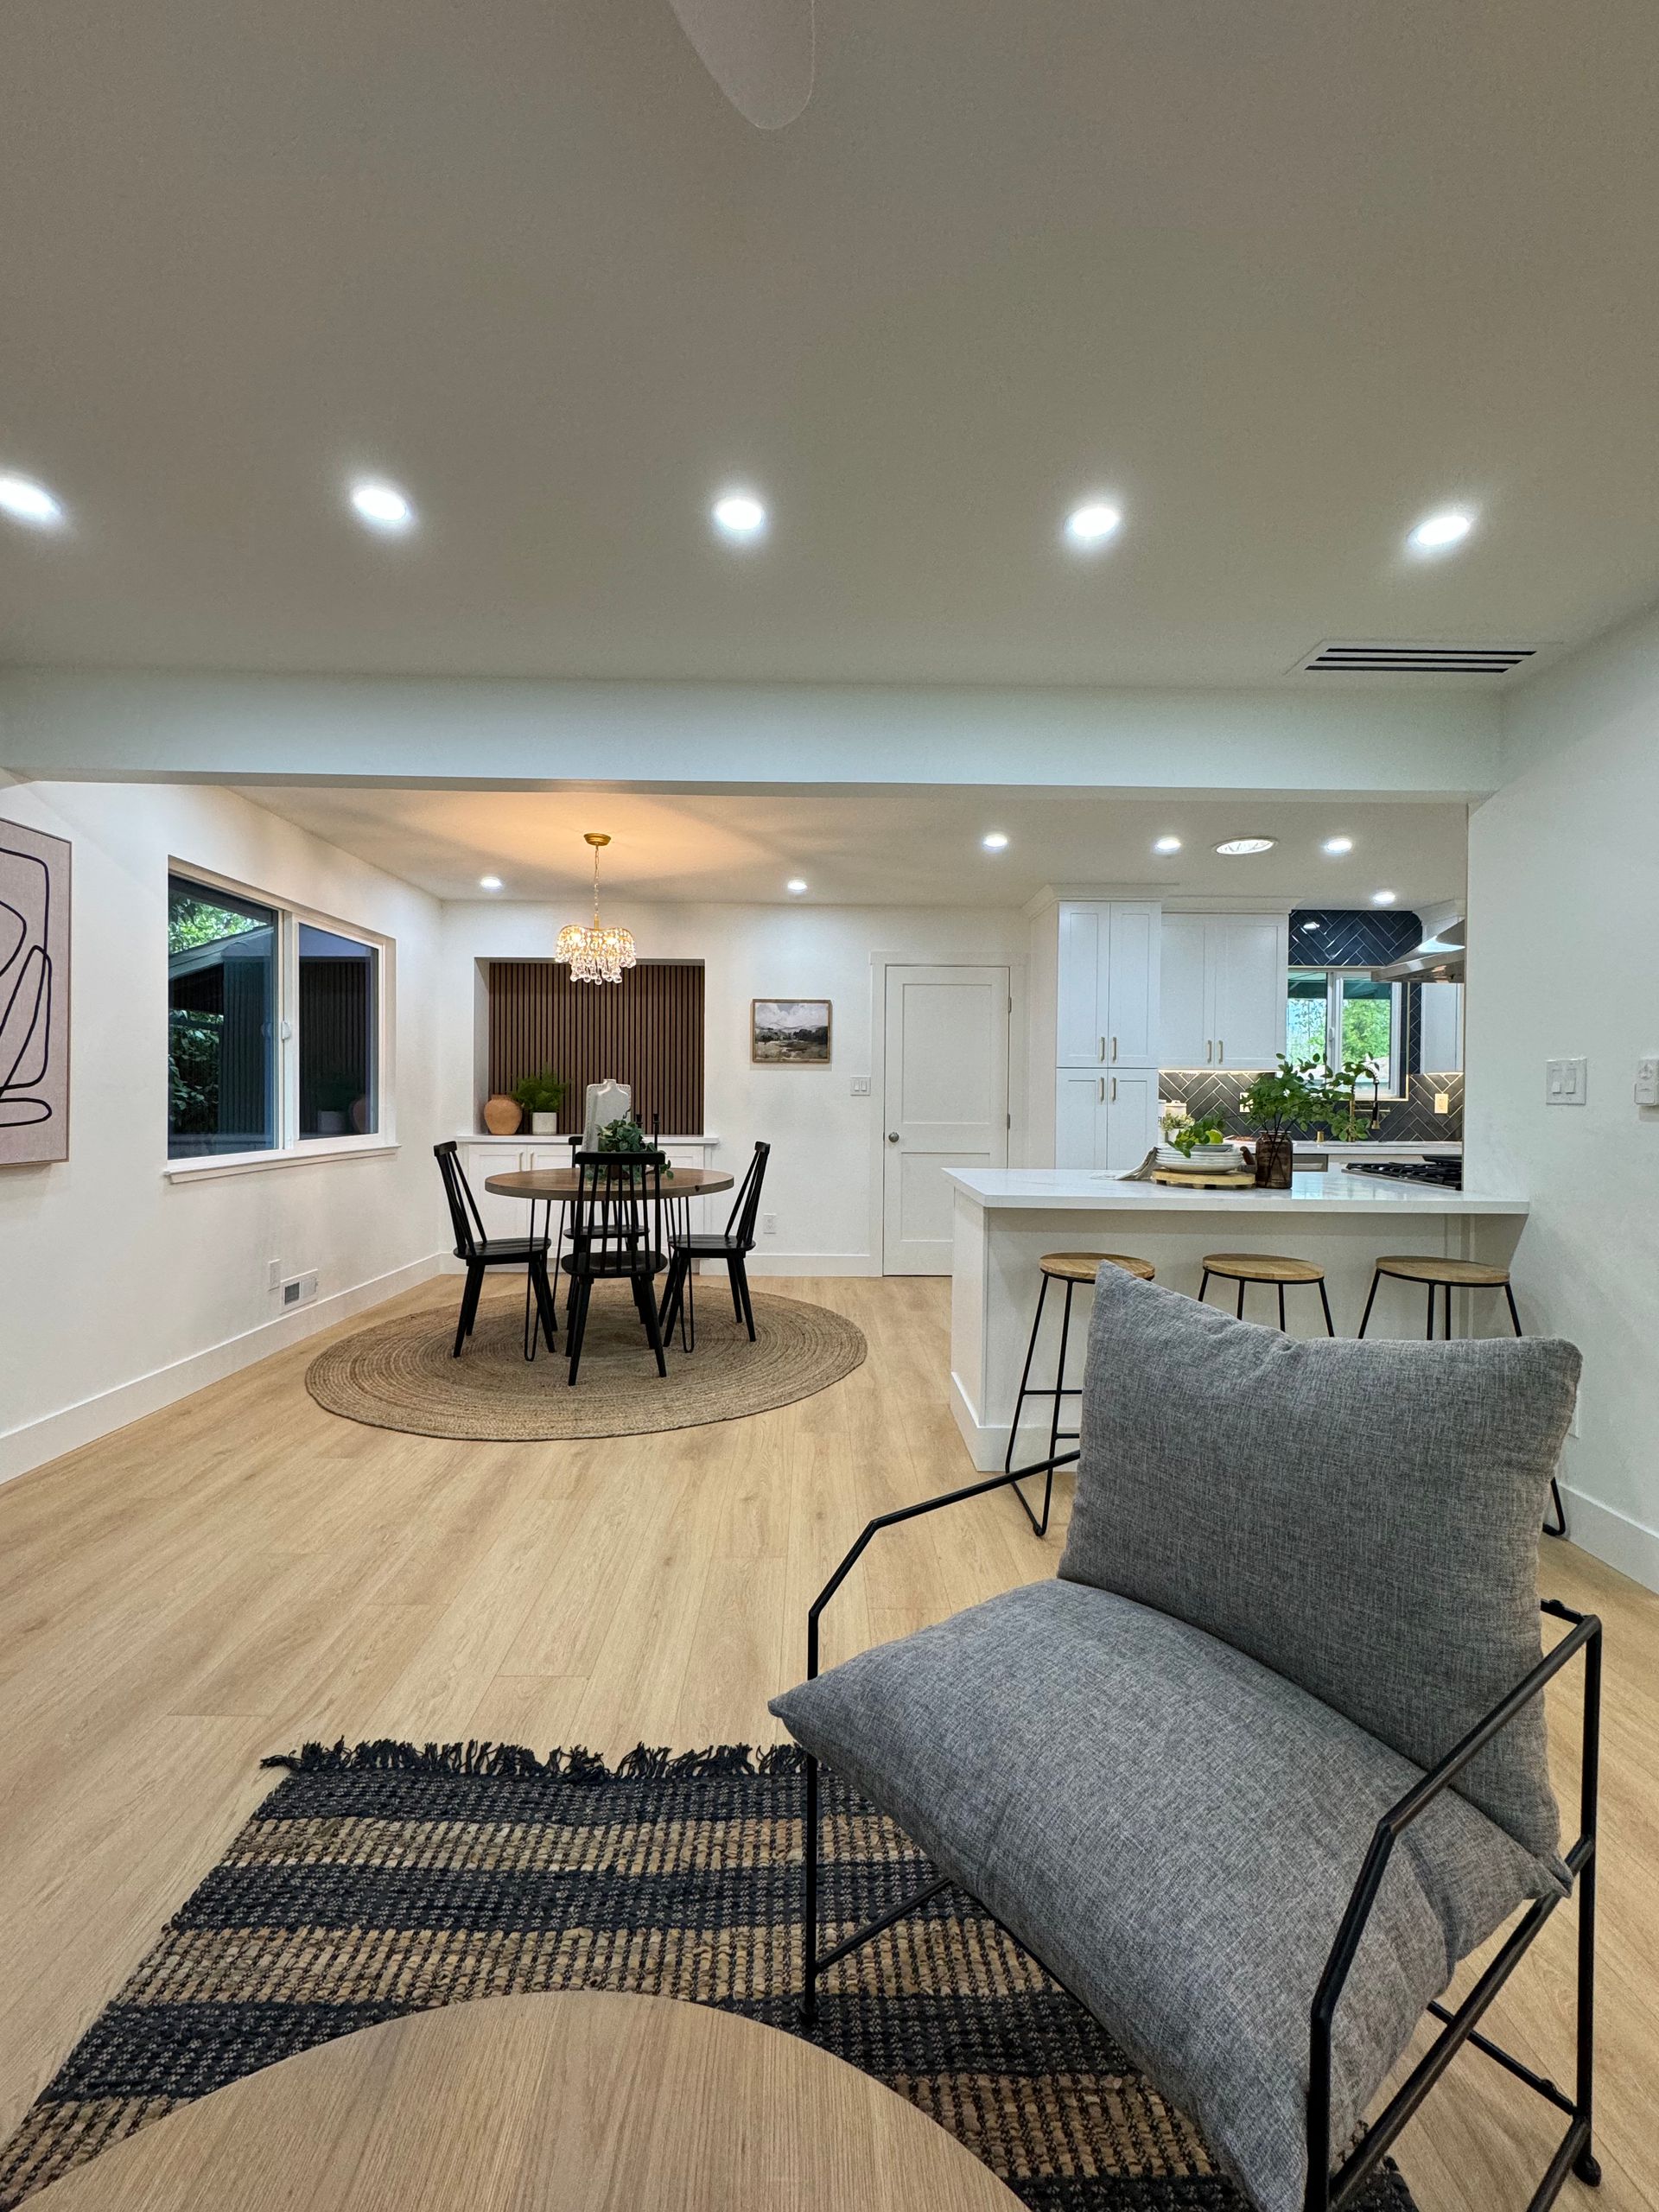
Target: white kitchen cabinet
[(1224, 983), (1105, 1120), (1106, 1001)]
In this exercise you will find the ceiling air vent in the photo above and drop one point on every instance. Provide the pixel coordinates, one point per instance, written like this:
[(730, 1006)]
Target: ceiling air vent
[(1346, 657)]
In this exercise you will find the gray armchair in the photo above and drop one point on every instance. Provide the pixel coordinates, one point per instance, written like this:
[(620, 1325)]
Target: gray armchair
[(1267, 1759)]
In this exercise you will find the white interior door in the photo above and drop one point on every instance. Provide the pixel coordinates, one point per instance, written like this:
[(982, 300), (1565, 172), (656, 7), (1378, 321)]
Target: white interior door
[(946, 1101)]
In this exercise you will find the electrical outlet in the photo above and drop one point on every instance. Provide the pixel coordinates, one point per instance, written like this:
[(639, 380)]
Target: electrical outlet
[(861, 1086), (1442, 1102), (1566, 1082), (768, 1225), (273, 1275)]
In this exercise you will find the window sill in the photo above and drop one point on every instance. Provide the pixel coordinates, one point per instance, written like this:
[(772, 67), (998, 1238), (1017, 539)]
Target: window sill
[(212, 1165)]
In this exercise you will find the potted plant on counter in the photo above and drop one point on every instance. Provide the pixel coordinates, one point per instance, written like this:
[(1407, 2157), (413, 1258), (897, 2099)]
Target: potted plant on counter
[(1293, 1095), (541, 1097)]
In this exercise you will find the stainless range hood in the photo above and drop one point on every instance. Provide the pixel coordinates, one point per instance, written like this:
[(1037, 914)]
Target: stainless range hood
[(1433, 961)]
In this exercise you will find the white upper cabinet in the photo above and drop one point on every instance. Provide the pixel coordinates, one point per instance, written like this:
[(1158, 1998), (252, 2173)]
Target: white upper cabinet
[(1106, 1007), (1223, 990), (1187, 1039)]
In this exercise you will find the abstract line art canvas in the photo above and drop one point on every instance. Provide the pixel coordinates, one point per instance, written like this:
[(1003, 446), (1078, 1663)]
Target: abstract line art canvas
[(33, 996)]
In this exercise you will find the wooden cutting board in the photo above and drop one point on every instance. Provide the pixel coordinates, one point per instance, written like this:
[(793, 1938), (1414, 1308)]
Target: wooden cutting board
[(1241, 1179)]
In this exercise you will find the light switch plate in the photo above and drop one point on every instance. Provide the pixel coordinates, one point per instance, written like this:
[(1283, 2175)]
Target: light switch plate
[(861, 1086), (1647, 1080), (1565, 1082)]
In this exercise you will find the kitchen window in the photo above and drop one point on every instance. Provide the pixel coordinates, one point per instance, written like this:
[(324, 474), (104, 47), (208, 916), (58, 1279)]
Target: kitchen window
[(1337, 1014), (275, 1022)]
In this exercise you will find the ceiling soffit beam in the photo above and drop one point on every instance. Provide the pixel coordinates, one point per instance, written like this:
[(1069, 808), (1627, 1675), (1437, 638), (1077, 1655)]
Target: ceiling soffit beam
[(140, 725)]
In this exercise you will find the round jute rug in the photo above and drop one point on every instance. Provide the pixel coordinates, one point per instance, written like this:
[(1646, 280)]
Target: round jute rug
[(401, 1374)]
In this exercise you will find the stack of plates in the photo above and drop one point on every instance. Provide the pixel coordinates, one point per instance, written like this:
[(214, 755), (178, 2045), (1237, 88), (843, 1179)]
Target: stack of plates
[(1206, 1159)]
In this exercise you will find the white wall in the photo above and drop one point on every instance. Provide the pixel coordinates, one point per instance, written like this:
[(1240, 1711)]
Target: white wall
[(1564, 960), (824, 1180), (119, 1289)]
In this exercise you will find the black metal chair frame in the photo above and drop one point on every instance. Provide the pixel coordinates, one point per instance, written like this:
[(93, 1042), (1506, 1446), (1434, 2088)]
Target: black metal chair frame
[(612, 1228), (732, 1245), (1242, 1280), (1328, 2190), (1558, 1527), (1027, 1390), (481, 1253)]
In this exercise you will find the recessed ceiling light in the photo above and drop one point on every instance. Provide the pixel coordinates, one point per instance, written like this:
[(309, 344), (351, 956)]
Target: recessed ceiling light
[(1438, 533), (1338, 845), (489, 883), (1165, 845), (1307, 926), (996, 841), (26, 501), (1090, 526), (382, 505), (739, 516), (1384, 898), (796, 883), (1233, 846)]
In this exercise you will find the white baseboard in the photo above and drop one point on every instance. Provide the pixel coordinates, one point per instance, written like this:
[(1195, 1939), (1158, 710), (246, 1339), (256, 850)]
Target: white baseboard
[(53, 1434), (1630, 1546), (811, 1263)]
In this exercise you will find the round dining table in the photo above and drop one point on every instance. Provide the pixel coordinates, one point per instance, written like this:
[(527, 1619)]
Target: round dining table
[(551, 1186)]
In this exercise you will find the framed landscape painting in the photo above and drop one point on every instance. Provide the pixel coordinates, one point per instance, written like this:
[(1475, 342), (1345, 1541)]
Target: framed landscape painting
[(33, 996), (789, 1032)]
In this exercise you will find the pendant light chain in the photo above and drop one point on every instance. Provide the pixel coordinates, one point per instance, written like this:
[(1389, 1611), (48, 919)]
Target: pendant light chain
[(597, 954)]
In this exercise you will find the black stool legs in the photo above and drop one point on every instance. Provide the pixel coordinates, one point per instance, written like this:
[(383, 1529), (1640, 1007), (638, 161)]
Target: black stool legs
[(1028, 1389)]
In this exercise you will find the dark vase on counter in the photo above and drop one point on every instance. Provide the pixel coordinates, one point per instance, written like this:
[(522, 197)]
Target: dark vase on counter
[(1275, 1158)]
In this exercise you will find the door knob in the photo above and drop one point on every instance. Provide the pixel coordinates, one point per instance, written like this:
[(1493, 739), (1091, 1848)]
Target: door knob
[(892, 1136)]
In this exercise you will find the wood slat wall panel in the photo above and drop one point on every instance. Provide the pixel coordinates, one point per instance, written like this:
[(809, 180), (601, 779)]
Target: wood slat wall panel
[(645, 1030)]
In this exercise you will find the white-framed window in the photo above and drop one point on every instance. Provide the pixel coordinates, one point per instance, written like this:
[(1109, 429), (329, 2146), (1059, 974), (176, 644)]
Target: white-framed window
[(277, 1026), (1338, 1014)]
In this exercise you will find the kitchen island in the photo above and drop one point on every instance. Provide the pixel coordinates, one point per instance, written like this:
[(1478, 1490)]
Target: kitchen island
[(1005, 1219)]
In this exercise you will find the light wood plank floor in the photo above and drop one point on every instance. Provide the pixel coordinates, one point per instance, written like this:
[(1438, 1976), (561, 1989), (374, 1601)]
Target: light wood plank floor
[(242, 1572)]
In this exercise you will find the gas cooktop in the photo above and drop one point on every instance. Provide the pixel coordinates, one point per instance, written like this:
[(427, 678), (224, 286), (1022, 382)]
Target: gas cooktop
[(1445, 1174)]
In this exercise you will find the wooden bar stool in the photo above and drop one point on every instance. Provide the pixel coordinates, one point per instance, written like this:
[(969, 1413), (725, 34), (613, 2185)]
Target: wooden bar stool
[(1071, 1268), (1265, 1266), (1445, 1276)]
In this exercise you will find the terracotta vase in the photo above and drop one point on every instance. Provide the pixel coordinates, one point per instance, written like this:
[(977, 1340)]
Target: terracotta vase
[(1275, 1159), (502, 1115)]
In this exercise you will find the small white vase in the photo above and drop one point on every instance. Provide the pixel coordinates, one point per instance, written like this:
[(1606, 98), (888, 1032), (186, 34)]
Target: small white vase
[(543, 1125)]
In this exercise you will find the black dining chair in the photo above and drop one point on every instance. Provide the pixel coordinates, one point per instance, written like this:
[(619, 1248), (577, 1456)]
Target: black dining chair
[(611, 1228), (733, 1244), (481, 1252)]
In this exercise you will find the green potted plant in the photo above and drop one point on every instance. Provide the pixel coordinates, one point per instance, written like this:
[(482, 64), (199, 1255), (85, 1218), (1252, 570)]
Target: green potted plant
[(1293, 1095), (541, 1097), (1349, 1121), (626, 1135)]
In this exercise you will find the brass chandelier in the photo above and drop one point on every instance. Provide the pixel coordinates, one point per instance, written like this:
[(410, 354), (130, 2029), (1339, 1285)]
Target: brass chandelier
[(595, 952)]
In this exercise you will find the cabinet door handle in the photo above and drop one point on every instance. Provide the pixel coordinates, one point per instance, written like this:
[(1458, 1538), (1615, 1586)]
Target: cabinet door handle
[(1113, 1048), (1221, 1051), (1102, 1048), (1100, 1090), (1113, 1090), (1209, 1047)]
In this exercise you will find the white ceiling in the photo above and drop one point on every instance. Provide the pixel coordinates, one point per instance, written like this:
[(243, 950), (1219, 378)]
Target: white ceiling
[(893, 847), (1280, 275)]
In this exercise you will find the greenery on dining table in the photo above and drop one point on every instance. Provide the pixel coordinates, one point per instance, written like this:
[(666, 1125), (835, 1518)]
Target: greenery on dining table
[(626, 1134)]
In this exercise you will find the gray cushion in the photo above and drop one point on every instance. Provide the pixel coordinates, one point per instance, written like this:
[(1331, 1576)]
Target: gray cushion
[(1361, 1517), (1174, 1831)]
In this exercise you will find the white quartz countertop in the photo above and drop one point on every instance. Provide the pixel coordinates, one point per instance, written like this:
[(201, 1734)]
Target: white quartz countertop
[(1073, 1190)]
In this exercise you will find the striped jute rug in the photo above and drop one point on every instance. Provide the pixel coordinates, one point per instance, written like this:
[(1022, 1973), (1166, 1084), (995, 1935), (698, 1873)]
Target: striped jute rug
[(380, 1880)]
